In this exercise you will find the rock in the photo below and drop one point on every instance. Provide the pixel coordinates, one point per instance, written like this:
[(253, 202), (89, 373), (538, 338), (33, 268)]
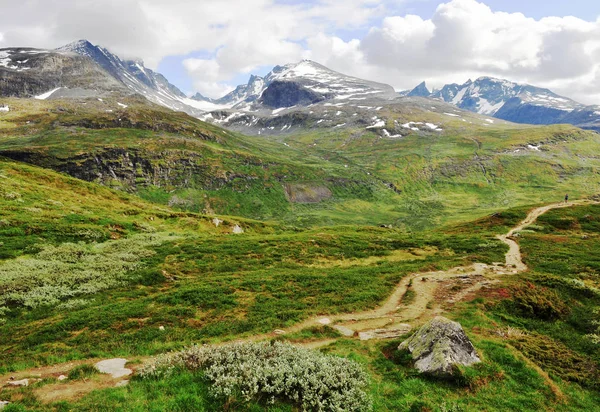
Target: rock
[(324, 321), (216, 221), (3, 404), (115, 367), (440, 345), (22, 382), (279, 332), (385, 333), (161, 328), (344, 330), (62, 378), (122, 383), (237, 229)]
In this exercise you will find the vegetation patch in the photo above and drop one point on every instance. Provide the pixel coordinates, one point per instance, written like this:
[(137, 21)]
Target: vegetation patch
[(272, 372)]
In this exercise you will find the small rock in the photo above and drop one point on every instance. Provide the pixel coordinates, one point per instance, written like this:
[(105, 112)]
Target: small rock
[(122, 383), (279, 332), (438, 346), (344, 330), (161, 328), (3, 404), (385, 333), (324, 321), (22, 382), (216, 221), (114, 367), (237, 229), (62, 377)]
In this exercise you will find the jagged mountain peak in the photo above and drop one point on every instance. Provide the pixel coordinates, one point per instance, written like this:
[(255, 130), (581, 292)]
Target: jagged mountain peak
[(420, 91)]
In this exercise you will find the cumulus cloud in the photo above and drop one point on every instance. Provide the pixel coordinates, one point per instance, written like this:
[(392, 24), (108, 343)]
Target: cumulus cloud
[(466, 38), (462, 39)]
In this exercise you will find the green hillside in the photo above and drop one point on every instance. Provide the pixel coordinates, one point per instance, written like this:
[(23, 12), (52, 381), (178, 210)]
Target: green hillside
[(178, 233), (420, 181)]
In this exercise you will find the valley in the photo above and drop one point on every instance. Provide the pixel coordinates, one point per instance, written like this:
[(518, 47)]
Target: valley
[(320, 217)]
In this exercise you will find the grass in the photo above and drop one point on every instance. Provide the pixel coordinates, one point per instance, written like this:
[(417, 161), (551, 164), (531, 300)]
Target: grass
[(87, 271)]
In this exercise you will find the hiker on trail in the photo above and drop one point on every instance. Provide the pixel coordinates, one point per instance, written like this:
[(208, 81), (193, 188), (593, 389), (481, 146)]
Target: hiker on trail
[(566, 198)]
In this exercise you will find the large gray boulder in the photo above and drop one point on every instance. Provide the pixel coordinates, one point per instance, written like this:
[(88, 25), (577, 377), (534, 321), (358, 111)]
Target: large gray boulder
[(440, 345)]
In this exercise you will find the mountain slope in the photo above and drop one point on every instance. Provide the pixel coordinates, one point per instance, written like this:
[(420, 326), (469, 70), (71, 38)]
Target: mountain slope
[(302, 83), (515, 102)]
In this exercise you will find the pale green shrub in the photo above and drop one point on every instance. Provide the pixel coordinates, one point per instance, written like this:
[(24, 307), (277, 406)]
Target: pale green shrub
[(272, 371), (58, 273), (595, 337)]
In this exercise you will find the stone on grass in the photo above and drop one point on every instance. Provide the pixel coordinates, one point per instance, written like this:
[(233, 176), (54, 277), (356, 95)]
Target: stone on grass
[(237, 229), (114, 367), (3, 404), (344, 330), (22, 382), (62, 377), (439, 346), (279, 332), (122, 383), (324, 321), (391, 333)]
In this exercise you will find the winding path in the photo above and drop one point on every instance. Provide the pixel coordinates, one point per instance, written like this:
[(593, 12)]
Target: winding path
[(434, 292)]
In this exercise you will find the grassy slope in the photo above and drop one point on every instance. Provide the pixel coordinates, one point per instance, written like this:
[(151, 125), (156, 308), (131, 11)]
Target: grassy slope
[(468, 171), (205, 285)]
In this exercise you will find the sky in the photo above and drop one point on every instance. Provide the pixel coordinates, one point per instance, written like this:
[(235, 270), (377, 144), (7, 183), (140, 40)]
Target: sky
[(210, 46)]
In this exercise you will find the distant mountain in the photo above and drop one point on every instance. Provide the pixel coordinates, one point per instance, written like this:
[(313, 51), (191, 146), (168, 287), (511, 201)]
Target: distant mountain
[(302, 83), (81, 69), (420, 91), (519, 103)]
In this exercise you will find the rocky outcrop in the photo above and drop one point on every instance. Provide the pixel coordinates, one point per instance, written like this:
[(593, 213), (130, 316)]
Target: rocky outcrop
[(439, 346), (306, 193), (287, 94)]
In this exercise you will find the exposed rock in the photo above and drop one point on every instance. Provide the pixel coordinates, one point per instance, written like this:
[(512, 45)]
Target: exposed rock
[(279, 332), (62, 378), (3, 404), (122, 383), (216, 221), (237, 229), (22, 382), (306, 193), (115, 367), (440, 345), (385, 333), (161, 328), (287, 94), (324, 321), (344, 330)]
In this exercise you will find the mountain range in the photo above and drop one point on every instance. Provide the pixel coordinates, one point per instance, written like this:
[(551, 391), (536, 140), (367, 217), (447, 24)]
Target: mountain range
[(519, 103), (81, 69)]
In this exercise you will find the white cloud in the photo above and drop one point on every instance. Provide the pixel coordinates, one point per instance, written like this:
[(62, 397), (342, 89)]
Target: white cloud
[(462, 39), (465, 38)]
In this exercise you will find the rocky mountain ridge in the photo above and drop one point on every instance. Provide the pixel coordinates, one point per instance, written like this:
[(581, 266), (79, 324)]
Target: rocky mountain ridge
[(519, 103)]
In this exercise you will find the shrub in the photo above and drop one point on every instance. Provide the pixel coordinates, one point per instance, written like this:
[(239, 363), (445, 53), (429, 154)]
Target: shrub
[(273, 371), (71, 270), (538, 302)]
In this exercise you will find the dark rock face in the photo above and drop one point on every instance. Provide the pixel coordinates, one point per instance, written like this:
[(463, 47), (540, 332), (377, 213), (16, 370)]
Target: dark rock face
[(440, 345), (287, 94), (131, 169)]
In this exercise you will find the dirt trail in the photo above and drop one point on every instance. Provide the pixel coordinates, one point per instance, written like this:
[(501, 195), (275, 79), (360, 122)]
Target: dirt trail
[(433, 292), (425, 304)]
